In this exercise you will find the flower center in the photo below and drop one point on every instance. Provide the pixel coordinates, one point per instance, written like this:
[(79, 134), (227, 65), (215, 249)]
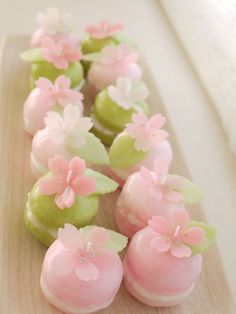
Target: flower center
[(86, 252)]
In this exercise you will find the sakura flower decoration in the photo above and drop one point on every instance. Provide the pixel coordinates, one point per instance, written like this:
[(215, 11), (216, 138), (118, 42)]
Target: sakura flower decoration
[(53, 22), (160, 185), (60, 53), (79, 252), (103, 30), (119, 55), (175, 235), (70, 127), (67, 181), (146, 133), (126, 95), (60, 92)]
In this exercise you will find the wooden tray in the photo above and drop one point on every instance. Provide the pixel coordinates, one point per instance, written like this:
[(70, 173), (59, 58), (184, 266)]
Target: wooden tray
[(21, 255)]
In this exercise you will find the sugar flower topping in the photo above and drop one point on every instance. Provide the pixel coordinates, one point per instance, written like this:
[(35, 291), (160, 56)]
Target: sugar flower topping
[(121, 54), (160, 184), (60, 53), (53, 22), (71, 127), (67, 181), (146, 132), (60, 92), (175, 235), (126, 95), (104, 29), (80, 248)]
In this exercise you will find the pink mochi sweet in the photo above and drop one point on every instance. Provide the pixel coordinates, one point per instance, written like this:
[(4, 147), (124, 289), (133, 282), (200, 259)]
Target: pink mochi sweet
[(115, 61), (158, 278), (80, 274), (136, 205), (48, 96)]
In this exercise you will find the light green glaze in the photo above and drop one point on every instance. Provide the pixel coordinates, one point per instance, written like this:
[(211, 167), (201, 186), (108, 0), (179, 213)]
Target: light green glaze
[(46, 69), (111, 115), (123, 154)]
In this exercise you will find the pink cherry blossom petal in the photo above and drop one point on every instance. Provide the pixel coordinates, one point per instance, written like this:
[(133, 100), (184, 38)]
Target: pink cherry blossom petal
[(194, 236), (180, 250), (173, 196), (156, 122), (160, 225), (58, 166), (63, 263), (103, 30), (86, 271), (160, 244), (99, 237), (147, 175), (84, 186), (51, 185), (54, 120), (44, 85), (77, 166), (65, 199), (70, 237), (63, 82)]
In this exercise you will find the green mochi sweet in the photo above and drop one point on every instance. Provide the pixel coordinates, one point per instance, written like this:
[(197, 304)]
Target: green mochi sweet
[(48, 70), (90, 44), (111, 115), (50, 217)]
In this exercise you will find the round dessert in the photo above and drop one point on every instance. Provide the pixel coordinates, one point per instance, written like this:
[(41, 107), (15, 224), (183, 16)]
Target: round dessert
[(82, 271), (113, 62), (46, 97), (67, 194), (115, 105), (54, 58), (67, 135), (53, 23), (139, 145), (164, 260), (152, 193)]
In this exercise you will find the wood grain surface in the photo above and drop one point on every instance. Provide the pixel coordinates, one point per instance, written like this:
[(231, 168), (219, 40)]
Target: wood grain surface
[(21, 255)]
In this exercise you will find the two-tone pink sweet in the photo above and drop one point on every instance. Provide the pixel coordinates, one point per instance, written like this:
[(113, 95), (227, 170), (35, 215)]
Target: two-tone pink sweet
[(164, 260), (54, 24), (66, 134), (149, 193), (82, 271), (142, 141), (113, 62), (48, 96)]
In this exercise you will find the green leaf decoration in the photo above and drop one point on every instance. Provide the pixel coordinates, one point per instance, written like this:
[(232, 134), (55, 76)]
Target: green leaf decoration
[(103, 183), (123, 153), (122, 38), (209, 237), (91, 57), (32, 55), (117, 242), (192, 194), (93, 150)]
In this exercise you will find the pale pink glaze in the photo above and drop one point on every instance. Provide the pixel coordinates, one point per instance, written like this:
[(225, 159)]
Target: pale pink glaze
[(162, 150), (158, 279), (73, 295), (135, 206), (39, 34), (101, 75), (43, 149), (35, 108)]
